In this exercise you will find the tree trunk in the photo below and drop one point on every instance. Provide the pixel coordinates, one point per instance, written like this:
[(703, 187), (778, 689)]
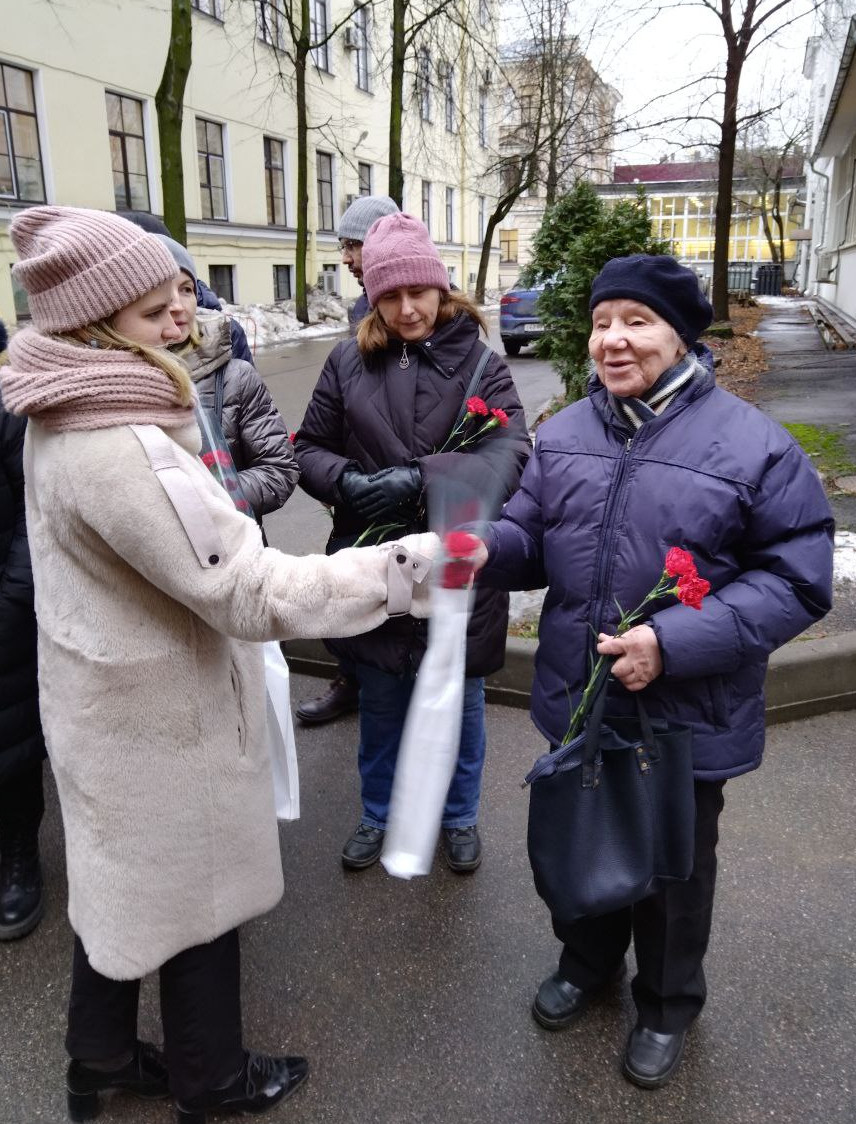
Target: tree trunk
[(301, 53), (396, 102), (169, 103), (727, 147), (503, 207)]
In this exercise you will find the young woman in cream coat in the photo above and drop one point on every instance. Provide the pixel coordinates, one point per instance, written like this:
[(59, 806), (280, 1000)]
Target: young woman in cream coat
[(152, 685)]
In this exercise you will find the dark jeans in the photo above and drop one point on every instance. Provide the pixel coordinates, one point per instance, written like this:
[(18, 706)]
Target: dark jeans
[(670, 931), (200, 998), (384, 699), (22, 802)]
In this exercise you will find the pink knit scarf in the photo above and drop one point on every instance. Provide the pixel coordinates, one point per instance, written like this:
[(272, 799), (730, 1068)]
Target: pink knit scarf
[(70, 386)]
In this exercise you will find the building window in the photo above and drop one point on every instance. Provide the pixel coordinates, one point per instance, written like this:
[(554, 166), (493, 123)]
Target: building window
[(221, 278), (450, 214), (482, 215), (483, 117), (127, 153), (324, 173), (426, 203), (423, 83), (275, 181), (209, 7), (282, 282), (318, 31), (328, 279), (449, 98), (21, 175), (508, 245), (212, 168), (364, 176), (270, 24), (484, 13), (361, 50)]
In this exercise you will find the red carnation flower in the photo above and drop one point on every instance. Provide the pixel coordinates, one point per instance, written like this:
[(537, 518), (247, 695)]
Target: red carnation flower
[(208, 460), (476, 406), (679, 563), (692, 590), (501, 417), (292, 437), (459, 547)]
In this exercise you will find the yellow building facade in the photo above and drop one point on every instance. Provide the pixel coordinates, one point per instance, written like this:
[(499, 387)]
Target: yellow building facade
[(78, 127)]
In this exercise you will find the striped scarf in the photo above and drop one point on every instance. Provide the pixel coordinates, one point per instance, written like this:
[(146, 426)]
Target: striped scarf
[(637, 411)]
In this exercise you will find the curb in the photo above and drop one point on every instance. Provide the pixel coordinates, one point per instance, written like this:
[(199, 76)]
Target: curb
[(805, 677)]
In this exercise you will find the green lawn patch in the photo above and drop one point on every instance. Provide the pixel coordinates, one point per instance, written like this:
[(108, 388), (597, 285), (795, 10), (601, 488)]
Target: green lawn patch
[(825, 447)]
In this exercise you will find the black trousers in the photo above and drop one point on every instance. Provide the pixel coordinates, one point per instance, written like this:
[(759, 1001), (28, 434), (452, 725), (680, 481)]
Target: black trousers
[(22, 802), (200, 998), (670, 933)]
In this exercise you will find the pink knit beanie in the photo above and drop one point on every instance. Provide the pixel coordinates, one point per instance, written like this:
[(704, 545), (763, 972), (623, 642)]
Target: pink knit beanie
[(81, 266), (398, 251)]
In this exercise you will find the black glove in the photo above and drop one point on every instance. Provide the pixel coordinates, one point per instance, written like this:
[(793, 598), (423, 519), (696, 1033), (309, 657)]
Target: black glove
[(383, 492)]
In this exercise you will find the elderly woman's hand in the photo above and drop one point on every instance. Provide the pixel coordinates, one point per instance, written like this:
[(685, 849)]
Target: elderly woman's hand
[(638, 656)]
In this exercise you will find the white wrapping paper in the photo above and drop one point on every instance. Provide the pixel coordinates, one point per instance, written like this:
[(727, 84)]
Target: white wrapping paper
[(280, 734), (428, 751)]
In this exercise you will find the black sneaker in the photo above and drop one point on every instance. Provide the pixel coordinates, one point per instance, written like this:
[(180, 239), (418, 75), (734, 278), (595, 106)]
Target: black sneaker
[(144, 1076), (462, 848), (262, 1083), (363, 848)]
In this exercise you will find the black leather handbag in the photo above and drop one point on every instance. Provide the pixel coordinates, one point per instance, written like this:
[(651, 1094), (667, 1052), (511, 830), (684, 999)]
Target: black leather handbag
[(612, 813)]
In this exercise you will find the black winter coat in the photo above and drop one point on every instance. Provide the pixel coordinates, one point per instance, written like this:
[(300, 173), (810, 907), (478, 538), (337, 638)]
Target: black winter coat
[(21, 741), (369, 414)]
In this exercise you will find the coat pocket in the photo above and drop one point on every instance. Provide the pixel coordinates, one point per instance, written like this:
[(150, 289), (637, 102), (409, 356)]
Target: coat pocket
[(238, 693)]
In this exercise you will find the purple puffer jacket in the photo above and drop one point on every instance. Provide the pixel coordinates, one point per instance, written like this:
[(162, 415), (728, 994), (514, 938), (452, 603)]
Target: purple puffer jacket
[(598, 508)]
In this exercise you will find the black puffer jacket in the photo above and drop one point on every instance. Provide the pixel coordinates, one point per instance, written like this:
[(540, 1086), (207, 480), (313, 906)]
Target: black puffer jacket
[(254, 428), (370, 414), (21, 741)]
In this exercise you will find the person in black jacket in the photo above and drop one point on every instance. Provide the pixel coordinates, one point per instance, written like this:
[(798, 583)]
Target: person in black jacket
[(22, 747), (375, 446)]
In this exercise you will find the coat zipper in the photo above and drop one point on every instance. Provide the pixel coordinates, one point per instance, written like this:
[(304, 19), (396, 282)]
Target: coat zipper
[(605, 558)]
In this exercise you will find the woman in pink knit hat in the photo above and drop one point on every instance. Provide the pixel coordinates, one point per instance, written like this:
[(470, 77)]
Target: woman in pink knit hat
[(152, 594), (373, 443)]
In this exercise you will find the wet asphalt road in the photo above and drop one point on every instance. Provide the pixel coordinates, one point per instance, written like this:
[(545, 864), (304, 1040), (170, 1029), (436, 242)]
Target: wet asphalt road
[(411, 999)]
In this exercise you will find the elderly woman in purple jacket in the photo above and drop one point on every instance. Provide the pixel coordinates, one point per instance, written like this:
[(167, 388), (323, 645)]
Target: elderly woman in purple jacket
[(371, 447), (658, 456)]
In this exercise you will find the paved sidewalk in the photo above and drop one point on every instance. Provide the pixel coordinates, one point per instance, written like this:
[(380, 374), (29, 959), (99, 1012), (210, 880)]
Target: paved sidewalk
[(411, 999)]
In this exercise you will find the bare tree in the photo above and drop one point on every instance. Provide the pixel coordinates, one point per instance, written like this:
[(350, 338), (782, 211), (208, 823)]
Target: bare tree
[(561, 116), (771, 150), (288, 26), (169, 103)]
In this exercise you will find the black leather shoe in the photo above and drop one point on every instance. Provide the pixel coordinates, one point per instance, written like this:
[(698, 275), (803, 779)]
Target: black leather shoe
[(558, 1002), (262, 1083), (462, 848), (363, 848), (21, 901), (651, 1058), (341, 697), (144, 1076)]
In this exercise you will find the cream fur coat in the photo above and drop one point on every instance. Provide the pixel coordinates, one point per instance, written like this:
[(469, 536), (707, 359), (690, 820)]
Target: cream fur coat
[(152, 689)]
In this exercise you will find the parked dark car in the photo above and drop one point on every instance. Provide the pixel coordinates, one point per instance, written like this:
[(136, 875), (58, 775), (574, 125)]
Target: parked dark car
[(519, 322)]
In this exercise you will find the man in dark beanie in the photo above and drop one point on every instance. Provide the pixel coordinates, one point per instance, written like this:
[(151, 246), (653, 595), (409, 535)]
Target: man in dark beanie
[(342, 694)]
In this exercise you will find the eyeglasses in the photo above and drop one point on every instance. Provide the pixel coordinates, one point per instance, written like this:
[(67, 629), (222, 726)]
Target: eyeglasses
[(348, 244)]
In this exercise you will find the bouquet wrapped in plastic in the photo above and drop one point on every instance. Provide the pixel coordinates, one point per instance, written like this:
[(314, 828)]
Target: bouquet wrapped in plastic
[(217, 459)]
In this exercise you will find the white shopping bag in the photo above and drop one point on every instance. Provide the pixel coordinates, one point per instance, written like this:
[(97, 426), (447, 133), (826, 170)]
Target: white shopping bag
[(280, 734), (428, 752)]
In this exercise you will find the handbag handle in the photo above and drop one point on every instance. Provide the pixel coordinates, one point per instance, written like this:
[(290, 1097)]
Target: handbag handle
[(591, 760), (474, 384)]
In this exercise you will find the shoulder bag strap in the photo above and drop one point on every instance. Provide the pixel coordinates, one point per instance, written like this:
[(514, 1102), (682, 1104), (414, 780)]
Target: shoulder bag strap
[(189, 505), (474, 384)]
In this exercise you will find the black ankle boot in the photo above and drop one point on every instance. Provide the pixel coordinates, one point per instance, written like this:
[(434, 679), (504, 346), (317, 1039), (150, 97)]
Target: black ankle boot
[(21, 902), (262, 1083), (144, 1076)]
